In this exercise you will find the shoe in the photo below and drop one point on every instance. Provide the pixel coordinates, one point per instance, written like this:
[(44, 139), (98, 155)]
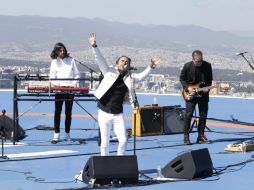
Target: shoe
[(67, 137), (202, 139), (56, 138), (186, 140)]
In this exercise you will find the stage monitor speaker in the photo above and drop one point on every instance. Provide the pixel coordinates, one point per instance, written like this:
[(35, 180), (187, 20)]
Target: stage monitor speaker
[(190, 165), (111, 170), (149, 121), (6, 126), (173, 117)]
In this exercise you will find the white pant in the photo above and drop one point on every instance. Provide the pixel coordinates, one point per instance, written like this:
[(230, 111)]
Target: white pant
[(106, 121)]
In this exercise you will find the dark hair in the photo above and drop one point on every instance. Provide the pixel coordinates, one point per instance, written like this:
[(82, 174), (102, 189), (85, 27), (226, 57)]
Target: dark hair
[(198, 52), (129, 59), (57, 47)]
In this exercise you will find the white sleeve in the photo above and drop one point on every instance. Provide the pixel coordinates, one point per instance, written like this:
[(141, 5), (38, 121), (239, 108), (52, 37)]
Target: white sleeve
[(142, 75), (52, 71), (100, 60)]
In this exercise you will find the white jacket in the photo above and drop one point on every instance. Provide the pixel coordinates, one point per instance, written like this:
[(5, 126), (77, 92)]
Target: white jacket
[(111, 74)]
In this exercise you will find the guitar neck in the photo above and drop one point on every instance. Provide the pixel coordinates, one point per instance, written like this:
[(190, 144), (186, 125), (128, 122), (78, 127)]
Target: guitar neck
[(204, 88)]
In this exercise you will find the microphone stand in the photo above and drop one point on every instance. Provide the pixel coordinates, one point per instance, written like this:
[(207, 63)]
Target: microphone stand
[(3, 135), (91, 86), (195, 122), (136, 108), (251, 66), (90, 69)]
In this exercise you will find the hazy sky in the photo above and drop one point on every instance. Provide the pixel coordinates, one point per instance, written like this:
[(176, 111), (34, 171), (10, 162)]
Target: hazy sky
[(213, 14)]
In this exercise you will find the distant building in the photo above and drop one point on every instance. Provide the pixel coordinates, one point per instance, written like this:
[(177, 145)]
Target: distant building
[(8, 74), (224, 88)]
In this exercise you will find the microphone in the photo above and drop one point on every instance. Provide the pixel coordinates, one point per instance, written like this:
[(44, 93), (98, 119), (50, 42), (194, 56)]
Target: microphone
[(3, 111), (133, 68), (237, 54)]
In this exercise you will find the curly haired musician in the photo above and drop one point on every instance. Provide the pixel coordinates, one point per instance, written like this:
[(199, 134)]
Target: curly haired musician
[(111, 93), (196, 73), (63, 66)]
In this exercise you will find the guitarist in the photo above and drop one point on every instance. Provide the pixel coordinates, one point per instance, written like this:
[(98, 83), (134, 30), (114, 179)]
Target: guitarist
[(196, 72)]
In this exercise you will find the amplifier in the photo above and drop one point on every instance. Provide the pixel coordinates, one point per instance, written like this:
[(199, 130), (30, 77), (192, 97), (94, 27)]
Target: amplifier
[(173, 117), (149, 121)]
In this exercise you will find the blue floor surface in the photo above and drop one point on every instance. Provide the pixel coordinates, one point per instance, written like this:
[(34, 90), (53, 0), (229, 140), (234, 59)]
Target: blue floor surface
[(57, 171), (55, 166)]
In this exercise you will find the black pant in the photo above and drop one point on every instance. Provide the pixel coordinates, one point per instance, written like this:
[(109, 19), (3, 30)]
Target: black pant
[(203, 109), (68, 99)]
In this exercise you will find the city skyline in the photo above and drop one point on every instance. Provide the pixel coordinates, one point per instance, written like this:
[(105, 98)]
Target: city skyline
[(213, 14)]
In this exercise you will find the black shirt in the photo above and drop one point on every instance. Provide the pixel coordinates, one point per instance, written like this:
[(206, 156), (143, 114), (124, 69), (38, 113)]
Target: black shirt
[(112, 101), (199, 75), (192, 74)]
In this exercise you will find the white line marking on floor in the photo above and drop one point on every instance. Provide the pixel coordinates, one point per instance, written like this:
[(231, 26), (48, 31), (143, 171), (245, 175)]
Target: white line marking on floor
[(46, 153)]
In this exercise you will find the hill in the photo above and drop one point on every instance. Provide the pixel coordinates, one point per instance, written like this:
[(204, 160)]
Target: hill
[(36, 33)]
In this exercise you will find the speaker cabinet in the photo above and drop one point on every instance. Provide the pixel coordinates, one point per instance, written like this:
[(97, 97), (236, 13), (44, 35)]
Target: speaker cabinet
[(6, 125), (173, 117), (190, 165), (111, 170), (149, 121)]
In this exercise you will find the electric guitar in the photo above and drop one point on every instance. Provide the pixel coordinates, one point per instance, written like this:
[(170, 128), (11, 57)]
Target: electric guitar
[(187, 96)]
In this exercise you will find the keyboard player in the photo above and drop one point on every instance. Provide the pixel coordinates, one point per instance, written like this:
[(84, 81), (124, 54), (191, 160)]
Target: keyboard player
[(62, 66)]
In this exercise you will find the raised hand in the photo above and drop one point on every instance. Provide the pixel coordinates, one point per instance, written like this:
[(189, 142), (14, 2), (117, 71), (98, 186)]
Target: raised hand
[(92, 39), (155, 61)]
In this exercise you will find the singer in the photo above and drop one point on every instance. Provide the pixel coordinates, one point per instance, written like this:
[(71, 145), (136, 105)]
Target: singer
[(115, 88), (62, 66)]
